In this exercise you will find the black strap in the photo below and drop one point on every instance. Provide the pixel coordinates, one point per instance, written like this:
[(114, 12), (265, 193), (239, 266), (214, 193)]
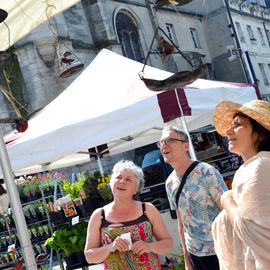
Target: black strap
[(103, 213), (143, 207), (184, 178)]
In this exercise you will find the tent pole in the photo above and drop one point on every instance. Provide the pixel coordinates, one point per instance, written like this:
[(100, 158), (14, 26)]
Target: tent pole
[(191, 147), (184, 125), (29, 259), (99, 162)]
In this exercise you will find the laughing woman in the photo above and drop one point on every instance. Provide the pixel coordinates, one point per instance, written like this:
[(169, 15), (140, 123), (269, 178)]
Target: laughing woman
[(242, 230), (105, 240)]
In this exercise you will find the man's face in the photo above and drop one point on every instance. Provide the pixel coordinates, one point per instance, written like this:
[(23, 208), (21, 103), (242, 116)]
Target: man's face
[(173, 148)]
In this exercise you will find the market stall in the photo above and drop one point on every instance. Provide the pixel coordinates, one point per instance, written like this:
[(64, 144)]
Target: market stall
[(108, 109)]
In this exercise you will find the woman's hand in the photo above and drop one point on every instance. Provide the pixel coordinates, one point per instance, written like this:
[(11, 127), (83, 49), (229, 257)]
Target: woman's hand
[(229, 205), (226, 198), (120, 244), (141, 247)]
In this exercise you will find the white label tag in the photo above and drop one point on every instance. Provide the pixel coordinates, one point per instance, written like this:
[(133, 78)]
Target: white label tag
[(10, 247), (75, 220)]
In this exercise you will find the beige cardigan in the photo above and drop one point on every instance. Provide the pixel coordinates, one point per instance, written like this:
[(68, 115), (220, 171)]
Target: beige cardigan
[(246, 245)]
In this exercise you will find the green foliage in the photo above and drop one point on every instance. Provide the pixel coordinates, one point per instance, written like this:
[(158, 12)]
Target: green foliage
[(72, 189), (60, 241), (12, 68), (97, 174), (69, 239), (104, 188), (21, 191), (178, 261), (90, 183), (86, 182), (79, 232)]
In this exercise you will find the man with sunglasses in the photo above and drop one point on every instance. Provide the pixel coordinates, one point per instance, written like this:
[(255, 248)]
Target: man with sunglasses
[(198, 203)]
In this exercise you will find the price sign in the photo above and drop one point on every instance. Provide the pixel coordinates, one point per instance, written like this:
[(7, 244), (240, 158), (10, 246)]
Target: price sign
[(75, 220), (11, 247)]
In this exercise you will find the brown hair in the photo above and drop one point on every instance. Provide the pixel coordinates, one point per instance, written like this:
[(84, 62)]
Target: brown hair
[(263, 133)]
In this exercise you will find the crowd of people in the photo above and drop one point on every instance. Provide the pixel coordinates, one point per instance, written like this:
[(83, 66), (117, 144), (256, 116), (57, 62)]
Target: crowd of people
[(218, 228)]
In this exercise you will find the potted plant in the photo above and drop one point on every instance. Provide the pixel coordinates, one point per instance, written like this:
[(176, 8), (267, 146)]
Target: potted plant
[(60, 241), (30, 213), (47, 181), (175, 261), (32, 185), (56, 212), (70, 241), (40, 209), (92, 198), (104, 188), (20, 182), (72, 189), (78, 239)]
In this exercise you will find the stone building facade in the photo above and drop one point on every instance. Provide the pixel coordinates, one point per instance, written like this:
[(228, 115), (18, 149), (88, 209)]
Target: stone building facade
[(125, 27), (199, 29), (240, 29)]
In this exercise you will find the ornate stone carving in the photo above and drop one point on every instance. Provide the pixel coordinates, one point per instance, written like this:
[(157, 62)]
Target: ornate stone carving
[(46, 50)]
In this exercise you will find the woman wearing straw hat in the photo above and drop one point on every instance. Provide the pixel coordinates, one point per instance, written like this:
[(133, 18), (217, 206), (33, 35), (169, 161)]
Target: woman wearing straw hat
[(242, 230)]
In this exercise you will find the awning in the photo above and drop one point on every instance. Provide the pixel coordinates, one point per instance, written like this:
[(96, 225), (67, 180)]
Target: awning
[(109, 104), (26, 15)]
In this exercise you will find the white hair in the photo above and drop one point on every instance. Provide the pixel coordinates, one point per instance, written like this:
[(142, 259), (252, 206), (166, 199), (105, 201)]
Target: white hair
[(130, 166)]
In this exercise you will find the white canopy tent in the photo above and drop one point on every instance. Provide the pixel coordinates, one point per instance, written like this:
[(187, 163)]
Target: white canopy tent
[(26, 15), (109, 104)]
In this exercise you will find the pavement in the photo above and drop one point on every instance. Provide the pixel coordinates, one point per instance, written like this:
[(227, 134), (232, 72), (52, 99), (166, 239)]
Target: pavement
[(92, 267)]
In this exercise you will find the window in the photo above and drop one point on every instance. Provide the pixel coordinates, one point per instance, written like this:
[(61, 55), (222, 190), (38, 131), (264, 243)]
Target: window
[(261, 36), (195, 38), (171, 33), (266, 82), (262, 3), (240, 33), (128, 35), (250, 34)]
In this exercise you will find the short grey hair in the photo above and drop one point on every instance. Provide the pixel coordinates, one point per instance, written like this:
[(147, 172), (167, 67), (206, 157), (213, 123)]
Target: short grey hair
[(183, 134), (130, 166)]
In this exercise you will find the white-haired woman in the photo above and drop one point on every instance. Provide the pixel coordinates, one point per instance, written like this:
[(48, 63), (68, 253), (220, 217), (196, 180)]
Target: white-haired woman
[(242, 230), (105, 242)]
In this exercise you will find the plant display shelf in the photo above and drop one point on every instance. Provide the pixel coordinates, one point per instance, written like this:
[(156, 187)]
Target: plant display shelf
[(37, 200)]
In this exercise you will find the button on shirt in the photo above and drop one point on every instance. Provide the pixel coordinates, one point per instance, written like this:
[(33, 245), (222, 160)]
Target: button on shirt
[(197, 205)]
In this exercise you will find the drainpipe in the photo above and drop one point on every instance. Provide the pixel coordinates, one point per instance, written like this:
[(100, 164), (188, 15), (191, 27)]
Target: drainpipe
[(152, 14), (238, 47), (252, 72), (268, 38)]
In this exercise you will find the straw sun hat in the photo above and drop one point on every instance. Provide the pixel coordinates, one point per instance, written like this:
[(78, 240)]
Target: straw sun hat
[(224, 112)]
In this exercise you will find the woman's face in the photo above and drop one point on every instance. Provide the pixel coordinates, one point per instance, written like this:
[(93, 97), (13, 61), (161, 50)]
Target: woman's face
[(242, 140), (124, 184)]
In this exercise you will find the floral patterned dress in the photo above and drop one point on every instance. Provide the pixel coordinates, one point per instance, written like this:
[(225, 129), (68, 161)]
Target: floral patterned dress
[(140, 229)]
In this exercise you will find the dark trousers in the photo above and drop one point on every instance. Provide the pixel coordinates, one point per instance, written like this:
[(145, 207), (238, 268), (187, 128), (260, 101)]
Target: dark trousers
[(204, 263)]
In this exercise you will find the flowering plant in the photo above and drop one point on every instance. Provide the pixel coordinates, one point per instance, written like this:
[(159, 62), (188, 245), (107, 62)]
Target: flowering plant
[(89, 184), (104, 188), (30, 184)]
